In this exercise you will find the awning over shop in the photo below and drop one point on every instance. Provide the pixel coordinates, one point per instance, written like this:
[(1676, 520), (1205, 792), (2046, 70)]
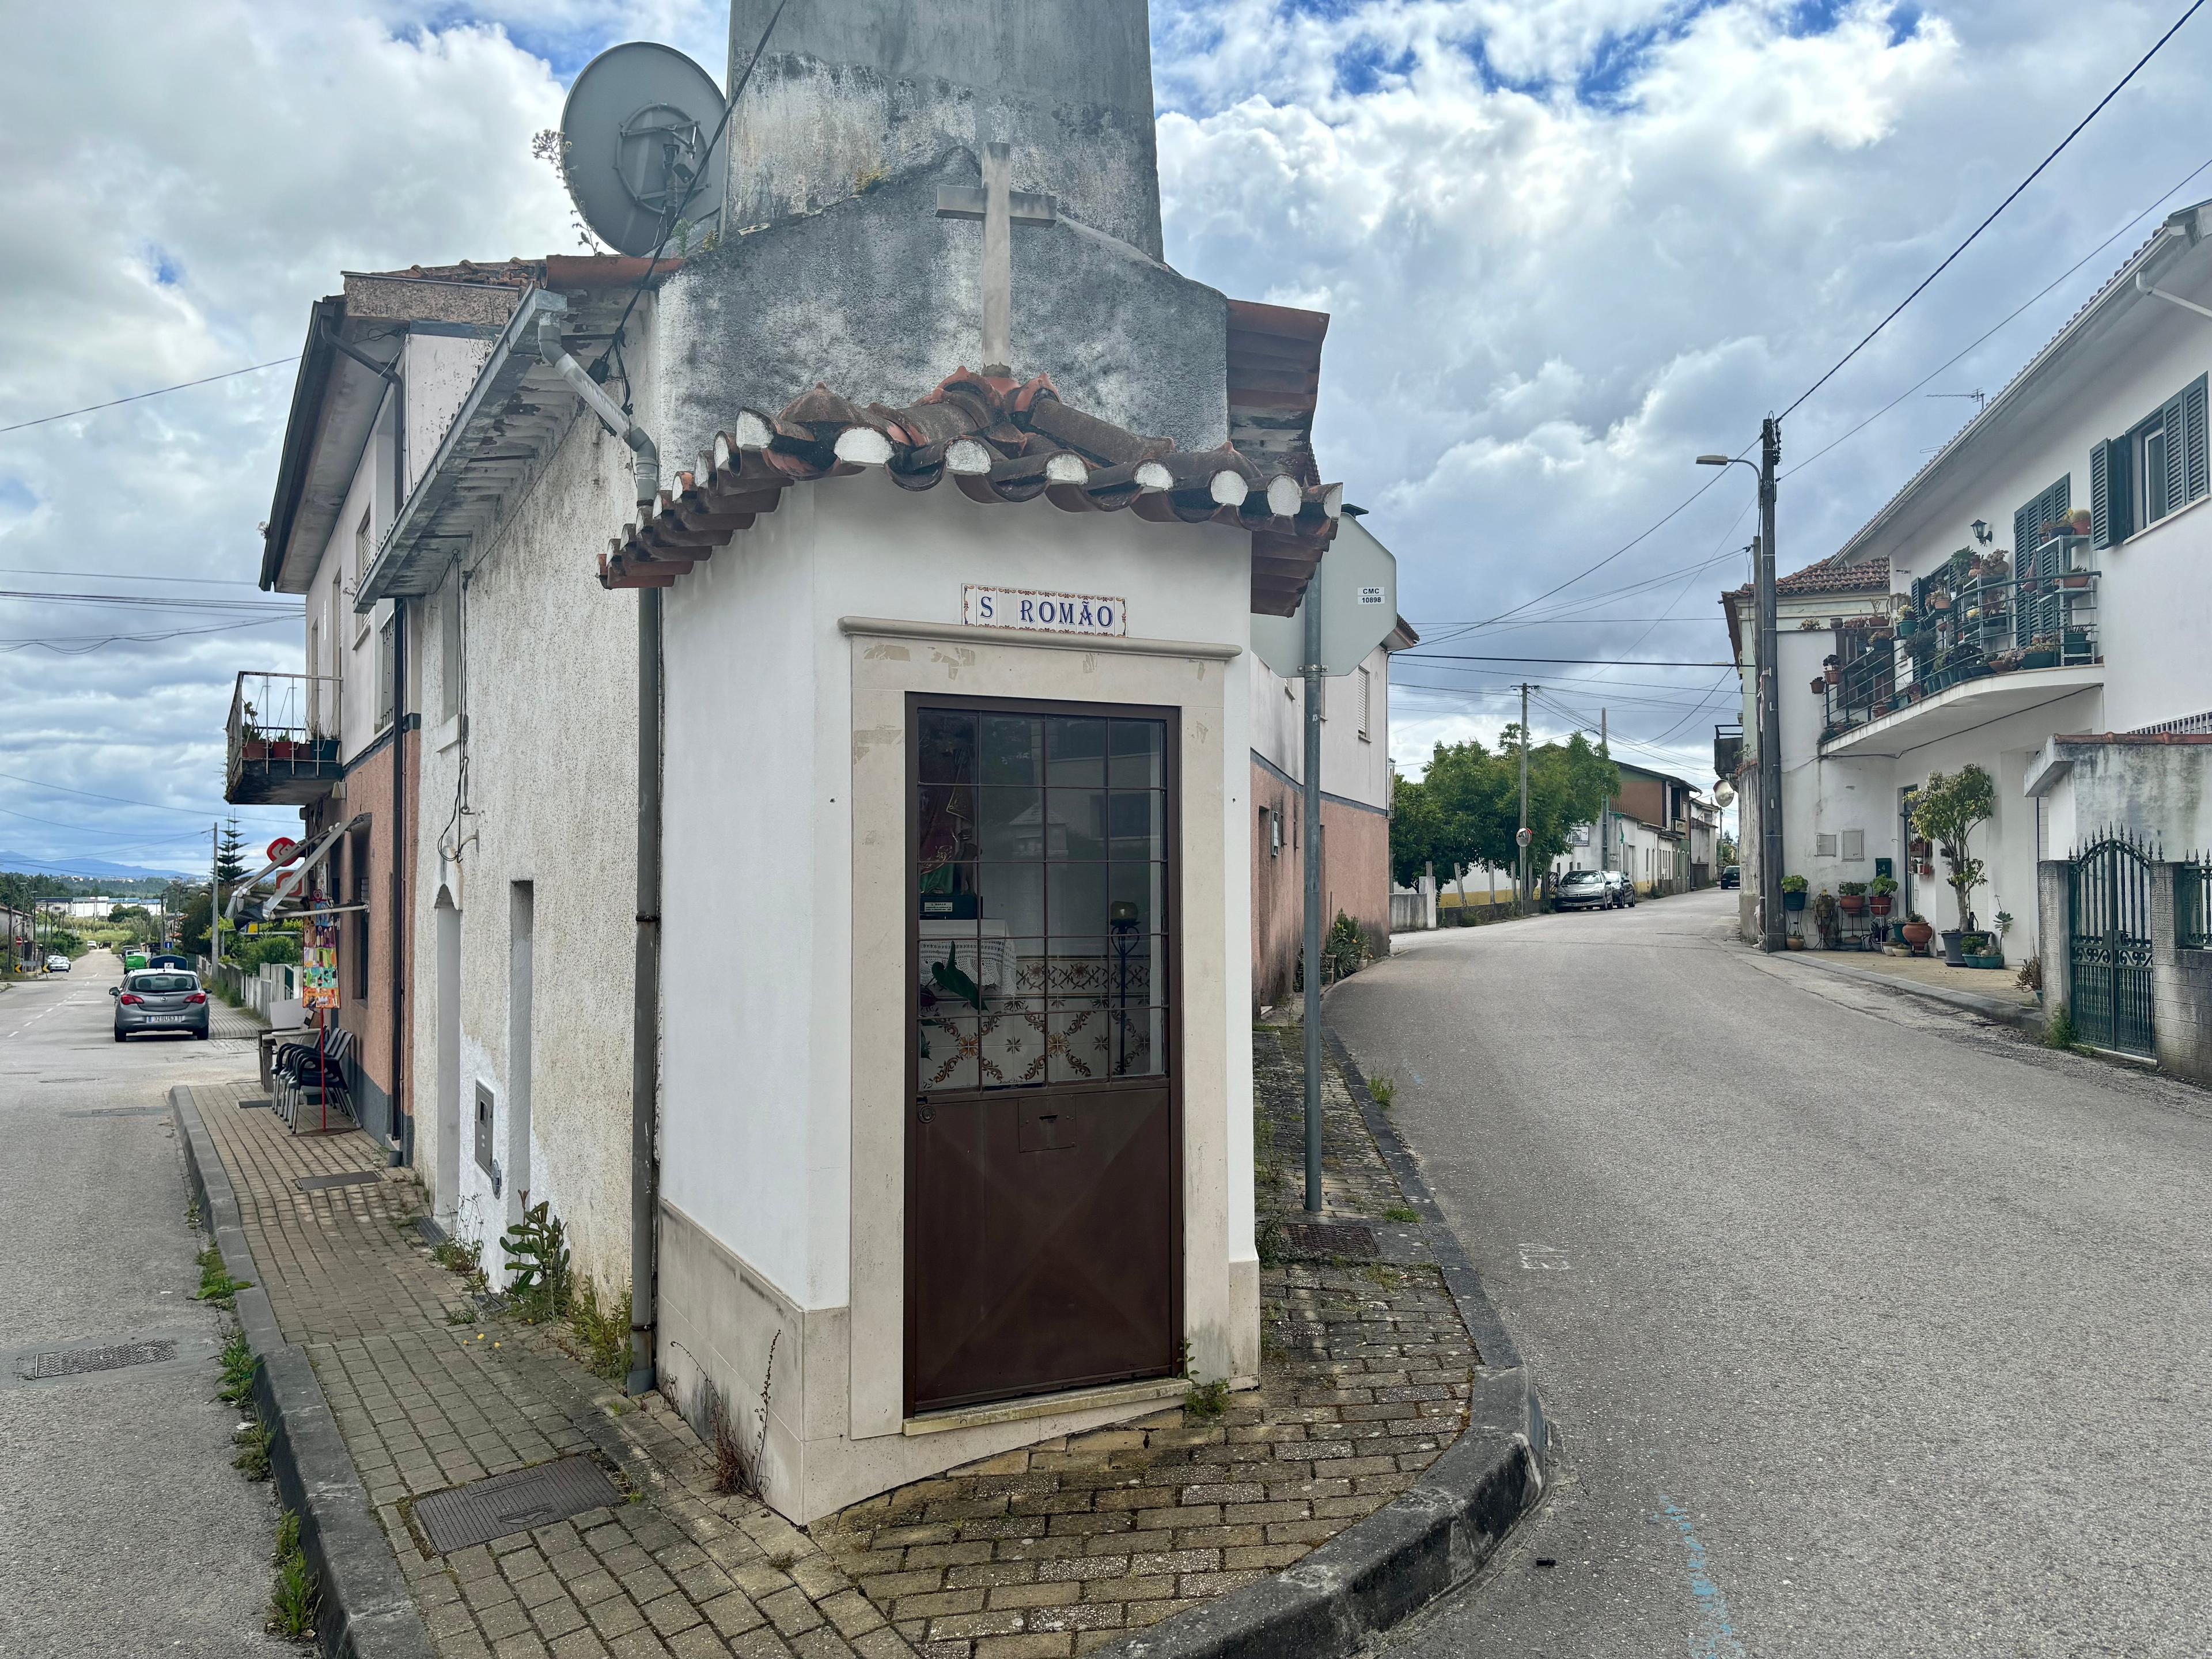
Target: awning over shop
[(296, 868)]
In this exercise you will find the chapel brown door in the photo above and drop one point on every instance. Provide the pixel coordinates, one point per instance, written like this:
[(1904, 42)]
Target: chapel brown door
[(1043, 1183)]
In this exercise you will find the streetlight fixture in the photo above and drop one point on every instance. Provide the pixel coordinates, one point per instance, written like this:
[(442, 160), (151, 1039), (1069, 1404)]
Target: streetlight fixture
[(1771, 933)]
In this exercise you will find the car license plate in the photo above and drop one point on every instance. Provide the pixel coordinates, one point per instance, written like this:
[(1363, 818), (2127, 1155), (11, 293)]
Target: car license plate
[(168, 1020)]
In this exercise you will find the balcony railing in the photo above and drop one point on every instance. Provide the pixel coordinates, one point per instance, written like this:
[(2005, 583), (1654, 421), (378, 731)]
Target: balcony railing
[(1990, 625), (284, 742)]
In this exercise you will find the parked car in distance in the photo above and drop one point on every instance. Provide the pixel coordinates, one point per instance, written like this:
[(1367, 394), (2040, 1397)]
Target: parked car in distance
[(1620, 891), (133, 961), (57, 963), (1581, 890), (1731, 875), (159, 1000)]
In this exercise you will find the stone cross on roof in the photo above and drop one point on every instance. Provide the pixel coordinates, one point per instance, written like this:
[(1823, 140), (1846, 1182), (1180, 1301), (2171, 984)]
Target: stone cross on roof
[(1001, 208)]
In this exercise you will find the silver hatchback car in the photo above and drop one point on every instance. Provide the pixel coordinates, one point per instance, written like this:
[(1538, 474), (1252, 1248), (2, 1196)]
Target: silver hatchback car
[(159, 1000)]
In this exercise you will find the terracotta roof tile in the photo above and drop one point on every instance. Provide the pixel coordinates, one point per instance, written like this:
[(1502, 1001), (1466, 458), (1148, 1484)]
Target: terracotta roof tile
[(999, 441)]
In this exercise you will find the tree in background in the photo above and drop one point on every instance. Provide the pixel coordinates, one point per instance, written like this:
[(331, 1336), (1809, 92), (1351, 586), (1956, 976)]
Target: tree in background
[(1467, 807), (192, 922), (229, 864)]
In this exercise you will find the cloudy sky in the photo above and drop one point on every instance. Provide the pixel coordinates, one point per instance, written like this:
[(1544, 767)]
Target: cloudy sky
[(1567, 246)]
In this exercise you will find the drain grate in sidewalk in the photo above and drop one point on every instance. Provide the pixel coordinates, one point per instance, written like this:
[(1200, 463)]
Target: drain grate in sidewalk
[(356, 1178), (502, 1504), (1329, 1237), (69, 1362)]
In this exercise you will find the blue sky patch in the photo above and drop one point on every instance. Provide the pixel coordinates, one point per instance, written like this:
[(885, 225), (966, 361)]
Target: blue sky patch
[(163, 266), (16, 496)]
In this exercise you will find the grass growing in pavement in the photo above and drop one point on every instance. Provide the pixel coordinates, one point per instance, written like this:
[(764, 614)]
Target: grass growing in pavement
[(604, 1332), (1401, 1212), (237, 1365), (1207, 1401), (2059, 1029), (252, 1458), (216, 1285), (1382, 1089), (291, 1597)]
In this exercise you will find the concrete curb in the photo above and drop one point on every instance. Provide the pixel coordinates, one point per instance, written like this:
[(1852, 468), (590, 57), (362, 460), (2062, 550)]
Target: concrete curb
[(2009, 1013), (1423, 1543), (366, 1611)]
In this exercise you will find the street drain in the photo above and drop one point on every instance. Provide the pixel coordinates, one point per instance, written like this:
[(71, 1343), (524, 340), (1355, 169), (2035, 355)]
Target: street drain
[(1329, 1237), (357, 1178), (501, 1504), (121, 1111), (69, 1362)]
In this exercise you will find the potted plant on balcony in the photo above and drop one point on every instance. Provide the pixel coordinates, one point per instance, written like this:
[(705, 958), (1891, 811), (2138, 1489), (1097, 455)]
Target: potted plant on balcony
[(2007, 661), (1908, 622), (1832, 669), (1948, 811), (2078, 521), (1793, 892), (2042, 652), (2076, 579), (1939, 601), (1881, 895), (1850, 896), (1820, 685)]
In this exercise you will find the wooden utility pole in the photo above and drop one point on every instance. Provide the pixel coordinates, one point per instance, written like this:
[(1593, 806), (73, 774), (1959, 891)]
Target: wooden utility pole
[(1521, 841)]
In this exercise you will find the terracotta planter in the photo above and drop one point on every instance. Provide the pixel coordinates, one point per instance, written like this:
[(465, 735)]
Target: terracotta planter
[(1835, 676), (1916, 933), (2078, 578), (1821, 686), (1880, 903), (1853, 903)]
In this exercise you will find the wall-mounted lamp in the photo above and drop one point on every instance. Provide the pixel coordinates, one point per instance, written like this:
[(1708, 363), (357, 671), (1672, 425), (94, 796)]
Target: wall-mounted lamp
[(1981, 532)]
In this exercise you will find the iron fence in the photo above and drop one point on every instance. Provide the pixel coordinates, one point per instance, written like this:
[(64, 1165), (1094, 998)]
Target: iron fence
[(2192, 903), (2109, 942)]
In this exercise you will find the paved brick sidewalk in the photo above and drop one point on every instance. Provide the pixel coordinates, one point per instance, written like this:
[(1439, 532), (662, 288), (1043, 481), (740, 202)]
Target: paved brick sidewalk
[(1069, 1546), (425, 1404)]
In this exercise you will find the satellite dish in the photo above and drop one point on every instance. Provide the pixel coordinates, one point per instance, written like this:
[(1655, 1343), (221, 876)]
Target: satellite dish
[(635, 129)]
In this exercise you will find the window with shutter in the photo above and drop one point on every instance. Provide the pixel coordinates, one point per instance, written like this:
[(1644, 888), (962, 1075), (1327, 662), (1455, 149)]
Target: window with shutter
[(2190, 443), (2110, 498)]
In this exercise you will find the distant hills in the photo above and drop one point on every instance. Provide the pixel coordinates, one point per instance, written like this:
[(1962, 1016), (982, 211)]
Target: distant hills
[(93, 870)]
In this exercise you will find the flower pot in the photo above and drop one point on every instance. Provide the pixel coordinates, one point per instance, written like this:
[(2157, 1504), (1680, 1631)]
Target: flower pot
[(1835, 676), (1907, 627), (1987, 960), (253, 749), (1938, 602), (1916, 934), (1820, 685), (2074, 579), (2039, 659), (1793, 901), (1853, 903), (1952, 953), (1880, 903)]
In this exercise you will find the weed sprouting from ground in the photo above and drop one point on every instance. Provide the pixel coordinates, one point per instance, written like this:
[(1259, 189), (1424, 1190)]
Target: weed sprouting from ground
[(237, 1365), (1207, 1401), (216, 1285), (723, 1445), (1382, 1089), (291, 1597), (2058, 1031), (252, 1458), (1401, 1212), (539, 1283), (465, 1260), (603, 1332)]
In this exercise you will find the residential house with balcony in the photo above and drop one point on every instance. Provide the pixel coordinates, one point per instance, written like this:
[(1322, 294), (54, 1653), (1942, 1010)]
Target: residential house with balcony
[(1659, 831), (2033, 601), (383, 367)]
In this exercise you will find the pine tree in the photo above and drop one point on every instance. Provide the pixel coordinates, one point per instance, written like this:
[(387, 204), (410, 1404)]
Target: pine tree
[(229, 866)]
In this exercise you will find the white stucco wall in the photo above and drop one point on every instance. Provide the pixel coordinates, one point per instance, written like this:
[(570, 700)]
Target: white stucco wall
[(549, 663), (439, 368), (1355, 767)]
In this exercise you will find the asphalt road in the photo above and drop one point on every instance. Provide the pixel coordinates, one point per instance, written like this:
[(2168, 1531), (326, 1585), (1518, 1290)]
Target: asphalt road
[(1870, 1329), (124, 1528)]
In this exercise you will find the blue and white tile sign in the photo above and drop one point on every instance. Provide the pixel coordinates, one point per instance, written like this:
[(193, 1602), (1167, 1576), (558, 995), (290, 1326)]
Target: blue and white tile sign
[(1049, 613)]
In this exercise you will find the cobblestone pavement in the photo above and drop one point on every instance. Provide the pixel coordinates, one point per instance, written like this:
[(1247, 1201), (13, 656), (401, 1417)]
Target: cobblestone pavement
[(1070, 1545), (429, 1395)]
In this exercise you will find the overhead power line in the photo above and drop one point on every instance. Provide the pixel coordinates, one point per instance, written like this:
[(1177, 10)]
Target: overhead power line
[(158, 391), (1919, 289), (1591, 662), (119, 800), (135, 576)]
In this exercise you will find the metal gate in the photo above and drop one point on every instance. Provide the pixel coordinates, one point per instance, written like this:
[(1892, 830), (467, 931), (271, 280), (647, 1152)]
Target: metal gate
[(2108, 943)]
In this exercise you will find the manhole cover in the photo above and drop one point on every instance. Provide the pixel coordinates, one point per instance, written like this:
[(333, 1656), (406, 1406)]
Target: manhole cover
[(70, 1361), (1329, 1237), (121, 1111), (357, 1178), (501, 1504)]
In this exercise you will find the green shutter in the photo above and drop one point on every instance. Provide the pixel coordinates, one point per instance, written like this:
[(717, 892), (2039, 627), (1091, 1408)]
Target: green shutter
[(2190, 444), (2171, 420), (2108, 492)]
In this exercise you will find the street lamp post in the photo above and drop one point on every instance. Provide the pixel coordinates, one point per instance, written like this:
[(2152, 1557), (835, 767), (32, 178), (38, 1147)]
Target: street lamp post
[(1771, 934)]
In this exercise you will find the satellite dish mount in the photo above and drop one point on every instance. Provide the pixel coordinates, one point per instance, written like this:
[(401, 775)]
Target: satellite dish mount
[(636, 127)]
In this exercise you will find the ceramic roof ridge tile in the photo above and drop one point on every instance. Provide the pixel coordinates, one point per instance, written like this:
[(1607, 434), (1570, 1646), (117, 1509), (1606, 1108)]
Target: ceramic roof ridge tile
[(1003, 441)]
